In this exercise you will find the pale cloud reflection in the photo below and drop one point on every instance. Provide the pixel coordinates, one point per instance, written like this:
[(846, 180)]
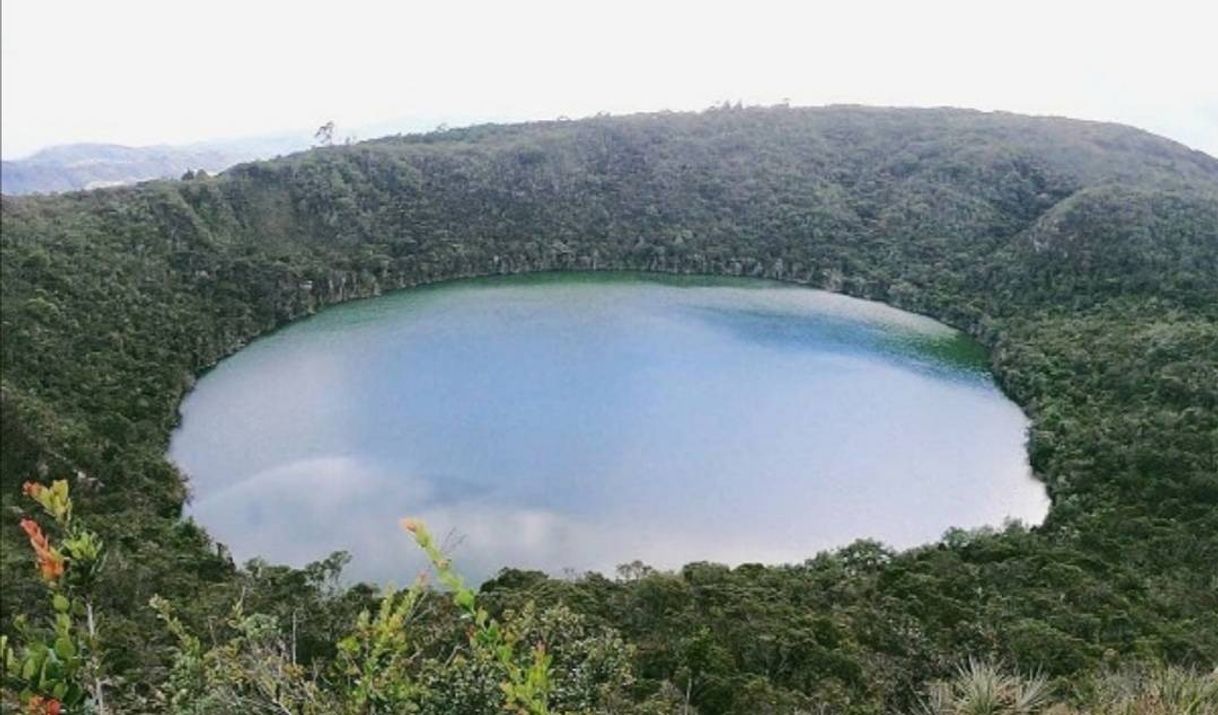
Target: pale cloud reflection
[(299, 512), (611, 422)]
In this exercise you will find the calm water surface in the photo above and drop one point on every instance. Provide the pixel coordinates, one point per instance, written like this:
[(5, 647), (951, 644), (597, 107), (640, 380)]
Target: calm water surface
[(579, 422)]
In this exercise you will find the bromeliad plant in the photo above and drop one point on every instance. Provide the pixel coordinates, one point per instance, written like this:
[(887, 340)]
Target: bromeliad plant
[(58, 669)]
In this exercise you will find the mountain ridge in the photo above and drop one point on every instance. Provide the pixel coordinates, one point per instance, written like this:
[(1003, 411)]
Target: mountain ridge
[(1083, 256)]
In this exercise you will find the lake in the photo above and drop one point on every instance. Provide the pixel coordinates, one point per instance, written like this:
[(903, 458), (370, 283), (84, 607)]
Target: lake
[(580, 421)]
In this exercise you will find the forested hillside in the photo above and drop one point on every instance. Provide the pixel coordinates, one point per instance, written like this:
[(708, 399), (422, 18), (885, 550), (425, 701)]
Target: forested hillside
[(1084, 255)]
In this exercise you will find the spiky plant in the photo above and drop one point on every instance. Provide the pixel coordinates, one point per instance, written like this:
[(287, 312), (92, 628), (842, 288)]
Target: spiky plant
[(1163, 690), (982, 688)]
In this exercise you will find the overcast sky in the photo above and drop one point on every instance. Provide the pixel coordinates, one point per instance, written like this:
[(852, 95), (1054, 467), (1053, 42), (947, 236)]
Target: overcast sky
[(175, 71)]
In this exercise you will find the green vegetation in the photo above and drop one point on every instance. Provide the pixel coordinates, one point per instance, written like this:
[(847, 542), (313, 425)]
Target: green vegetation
[(1084, 256), (390, 662), (63, 666)]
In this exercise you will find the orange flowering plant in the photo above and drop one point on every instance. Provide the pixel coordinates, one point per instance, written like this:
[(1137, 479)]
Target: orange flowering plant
[(50, 561), (58, 669)]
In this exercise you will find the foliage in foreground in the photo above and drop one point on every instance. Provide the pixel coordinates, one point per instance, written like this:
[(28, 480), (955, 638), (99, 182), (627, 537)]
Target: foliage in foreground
[(530, 663), (59, 666)]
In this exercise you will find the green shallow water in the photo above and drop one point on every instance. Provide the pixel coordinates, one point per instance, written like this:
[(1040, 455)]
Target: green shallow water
[(579, 421)]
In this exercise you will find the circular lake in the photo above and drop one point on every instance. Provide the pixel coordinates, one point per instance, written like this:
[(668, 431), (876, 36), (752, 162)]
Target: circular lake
[(581, 421)]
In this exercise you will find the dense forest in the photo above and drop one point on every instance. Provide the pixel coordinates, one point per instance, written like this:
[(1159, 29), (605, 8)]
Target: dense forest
[(1083, 255)]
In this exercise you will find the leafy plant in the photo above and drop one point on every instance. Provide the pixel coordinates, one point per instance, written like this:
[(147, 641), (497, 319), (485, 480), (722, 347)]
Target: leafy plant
[(59, 667), (527, 686), (380, 666)]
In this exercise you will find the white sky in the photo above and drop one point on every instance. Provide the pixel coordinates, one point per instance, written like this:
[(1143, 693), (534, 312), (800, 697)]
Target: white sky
[(138, 72)]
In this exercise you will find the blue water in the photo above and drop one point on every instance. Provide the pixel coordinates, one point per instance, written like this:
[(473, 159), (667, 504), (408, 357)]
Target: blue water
[(577, 422)]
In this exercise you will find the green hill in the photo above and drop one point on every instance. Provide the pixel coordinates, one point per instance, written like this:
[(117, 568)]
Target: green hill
[(1084, 255)]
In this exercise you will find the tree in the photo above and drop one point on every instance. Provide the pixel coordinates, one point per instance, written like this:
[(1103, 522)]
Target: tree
[(325, 134)]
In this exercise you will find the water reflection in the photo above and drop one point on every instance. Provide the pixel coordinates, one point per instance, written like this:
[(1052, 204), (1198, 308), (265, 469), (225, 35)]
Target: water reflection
[(566, 422)]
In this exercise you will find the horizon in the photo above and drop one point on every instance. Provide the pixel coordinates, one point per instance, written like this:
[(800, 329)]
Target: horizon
[(421, 126), (416, 67)]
